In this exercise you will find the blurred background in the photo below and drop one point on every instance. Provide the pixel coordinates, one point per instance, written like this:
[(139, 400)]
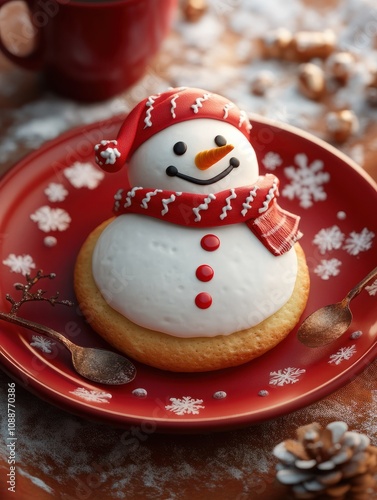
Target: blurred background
[(310, 63)]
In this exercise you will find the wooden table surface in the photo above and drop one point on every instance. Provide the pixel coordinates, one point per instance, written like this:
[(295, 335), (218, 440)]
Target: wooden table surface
[(62, 456)]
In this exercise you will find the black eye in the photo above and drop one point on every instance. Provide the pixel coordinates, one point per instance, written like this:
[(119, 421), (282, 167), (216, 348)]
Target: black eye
[(220, 140), (180, 148)]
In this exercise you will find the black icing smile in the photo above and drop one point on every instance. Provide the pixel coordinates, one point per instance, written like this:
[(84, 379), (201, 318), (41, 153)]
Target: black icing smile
[(172, 171)]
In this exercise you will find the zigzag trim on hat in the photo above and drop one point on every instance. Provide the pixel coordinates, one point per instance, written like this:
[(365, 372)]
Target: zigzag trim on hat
[(226, 109), (173, 105), (244, 118), (149, 104), (199, 102)]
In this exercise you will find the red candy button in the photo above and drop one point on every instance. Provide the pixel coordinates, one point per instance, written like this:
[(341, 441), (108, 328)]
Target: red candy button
[(204, 273), (210, 242), (203, 300)]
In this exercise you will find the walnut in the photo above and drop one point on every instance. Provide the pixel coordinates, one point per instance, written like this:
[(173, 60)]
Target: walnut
[(340, 66), (371, 89), (307, 45), (276, 43), (193, 10), (301, 46), (262, 82), (342, 124), (311, 81)]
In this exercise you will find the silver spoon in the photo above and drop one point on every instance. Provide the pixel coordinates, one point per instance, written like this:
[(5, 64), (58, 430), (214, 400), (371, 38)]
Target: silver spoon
[(97, 365), (330, 322)]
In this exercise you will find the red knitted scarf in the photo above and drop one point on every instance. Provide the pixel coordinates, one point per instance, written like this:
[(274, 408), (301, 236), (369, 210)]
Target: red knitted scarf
[(254, 205)]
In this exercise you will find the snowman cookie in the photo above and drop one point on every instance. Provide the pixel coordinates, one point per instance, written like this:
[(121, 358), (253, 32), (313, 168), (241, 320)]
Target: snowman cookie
[(200, 268)]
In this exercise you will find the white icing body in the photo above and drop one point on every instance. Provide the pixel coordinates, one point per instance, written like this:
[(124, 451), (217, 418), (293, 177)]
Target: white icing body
[(146, 268)]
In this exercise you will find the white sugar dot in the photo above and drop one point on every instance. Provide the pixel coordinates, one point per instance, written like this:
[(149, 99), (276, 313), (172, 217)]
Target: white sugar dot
[(356, 335), (50, 241), (263, 393), (140, 392), (219, 394), (341, 215)]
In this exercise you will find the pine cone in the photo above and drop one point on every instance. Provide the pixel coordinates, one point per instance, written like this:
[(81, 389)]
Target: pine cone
[(329, 462)]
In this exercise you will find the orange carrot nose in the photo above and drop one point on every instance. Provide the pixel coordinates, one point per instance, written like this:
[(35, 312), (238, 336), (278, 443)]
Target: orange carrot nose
[(207, 158)]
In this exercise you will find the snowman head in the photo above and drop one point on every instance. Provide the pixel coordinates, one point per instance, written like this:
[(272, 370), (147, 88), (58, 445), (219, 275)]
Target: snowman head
[(186, 140), (205, 156)]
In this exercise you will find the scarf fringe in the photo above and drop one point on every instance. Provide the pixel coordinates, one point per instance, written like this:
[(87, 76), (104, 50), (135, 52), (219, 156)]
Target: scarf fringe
[(278, 227)]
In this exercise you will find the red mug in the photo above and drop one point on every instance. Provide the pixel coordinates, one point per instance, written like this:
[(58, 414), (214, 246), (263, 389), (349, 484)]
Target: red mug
[(94, 49)]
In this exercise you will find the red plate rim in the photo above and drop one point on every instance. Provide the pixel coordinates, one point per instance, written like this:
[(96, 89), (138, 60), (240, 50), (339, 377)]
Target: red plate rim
[(182, 424)]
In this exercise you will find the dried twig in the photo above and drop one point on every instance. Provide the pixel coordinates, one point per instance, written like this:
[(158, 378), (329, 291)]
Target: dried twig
[(39, 295)]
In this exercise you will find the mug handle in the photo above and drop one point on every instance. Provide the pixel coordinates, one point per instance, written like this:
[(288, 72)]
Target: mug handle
[(32, 61)]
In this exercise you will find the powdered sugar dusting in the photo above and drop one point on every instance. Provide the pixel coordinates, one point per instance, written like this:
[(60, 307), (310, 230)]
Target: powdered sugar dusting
[(121, 462), (124, 461), (330, 410), (46, 118), (37, 481)]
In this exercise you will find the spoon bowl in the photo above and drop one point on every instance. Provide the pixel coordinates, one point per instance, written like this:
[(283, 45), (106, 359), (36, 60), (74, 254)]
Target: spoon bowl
[(97, 365), (103, 366), (330, 322)]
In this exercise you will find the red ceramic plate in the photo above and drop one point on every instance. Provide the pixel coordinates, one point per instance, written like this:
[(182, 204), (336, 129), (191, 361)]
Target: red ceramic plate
[(54, 197)]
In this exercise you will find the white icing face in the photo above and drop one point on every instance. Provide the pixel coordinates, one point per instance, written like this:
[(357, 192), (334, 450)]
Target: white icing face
[(168, 159)]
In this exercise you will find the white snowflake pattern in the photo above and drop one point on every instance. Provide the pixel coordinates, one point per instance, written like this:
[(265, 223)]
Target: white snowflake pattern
[(372, 289), (83, 175), (56, 192), (51, 219), (272, 160), (185, 405), (328, 268), (344, 353), (92, 395), (359, 242), (306, 181), (20, 263), (328, 239), (42, 343), (286, 376)]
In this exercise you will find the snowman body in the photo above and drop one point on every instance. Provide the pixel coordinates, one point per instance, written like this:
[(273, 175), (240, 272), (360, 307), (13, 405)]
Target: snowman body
[(188, 281), (162, 276)]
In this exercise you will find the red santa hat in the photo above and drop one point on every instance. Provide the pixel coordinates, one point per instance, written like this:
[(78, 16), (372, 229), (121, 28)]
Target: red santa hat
[(158, 112)]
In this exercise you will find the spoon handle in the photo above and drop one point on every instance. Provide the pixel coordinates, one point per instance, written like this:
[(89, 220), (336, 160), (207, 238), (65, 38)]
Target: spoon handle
[(357, 288), (36, 327)]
